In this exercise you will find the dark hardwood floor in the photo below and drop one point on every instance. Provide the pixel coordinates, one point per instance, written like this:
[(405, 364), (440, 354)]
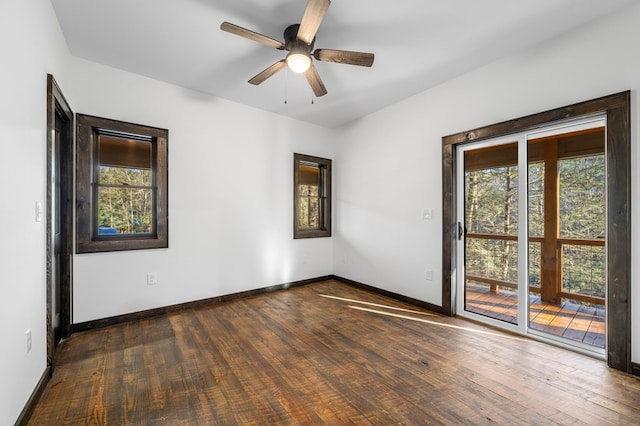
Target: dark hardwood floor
[(301, 357)]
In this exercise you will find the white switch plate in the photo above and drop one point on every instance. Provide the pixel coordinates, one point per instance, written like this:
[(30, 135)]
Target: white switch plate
[(429, 275), (27, 338), (39, 211), (427, 214), (152, 278)]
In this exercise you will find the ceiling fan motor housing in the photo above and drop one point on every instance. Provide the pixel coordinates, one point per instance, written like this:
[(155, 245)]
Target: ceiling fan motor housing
[(292, 43)]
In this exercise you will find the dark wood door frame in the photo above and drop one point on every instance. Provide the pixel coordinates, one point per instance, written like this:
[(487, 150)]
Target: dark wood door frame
[(618, 158), (57, 106)]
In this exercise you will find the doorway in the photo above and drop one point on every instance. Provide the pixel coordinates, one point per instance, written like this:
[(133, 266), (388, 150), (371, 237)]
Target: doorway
[(616, 109), (59, 217), (531, 251)]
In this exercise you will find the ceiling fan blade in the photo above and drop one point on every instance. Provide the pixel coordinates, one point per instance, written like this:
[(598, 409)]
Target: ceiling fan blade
[(315, 81), (344, 57), (251, 35), (268, 72), (311, 19)]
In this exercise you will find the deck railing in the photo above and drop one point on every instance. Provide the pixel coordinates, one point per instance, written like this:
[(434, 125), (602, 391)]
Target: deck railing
[(496, 283)]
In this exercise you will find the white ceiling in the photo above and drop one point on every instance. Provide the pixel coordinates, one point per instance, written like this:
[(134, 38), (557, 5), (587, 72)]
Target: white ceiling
[(418, 44)]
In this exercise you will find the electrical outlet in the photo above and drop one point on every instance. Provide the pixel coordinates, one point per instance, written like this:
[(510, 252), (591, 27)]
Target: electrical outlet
[(429, 275), (152, 278), (27, 338)]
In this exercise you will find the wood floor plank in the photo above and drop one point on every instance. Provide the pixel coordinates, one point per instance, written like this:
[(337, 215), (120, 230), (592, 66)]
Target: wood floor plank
[(300, 357)]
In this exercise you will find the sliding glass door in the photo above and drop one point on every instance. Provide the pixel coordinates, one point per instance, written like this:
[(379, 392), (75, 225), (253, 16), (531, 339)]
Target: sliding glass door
[(488, 227), (531, 212)]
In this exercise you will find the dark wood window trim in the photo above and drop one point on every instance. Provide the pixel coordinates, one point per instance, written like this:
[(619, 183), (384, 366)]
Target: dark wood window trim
[(618, 112), (324, 228), (87, 238)]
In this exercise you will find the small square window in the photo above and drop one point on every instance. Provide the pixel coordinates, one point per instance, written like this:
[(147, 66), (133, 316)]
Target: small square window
[(312, 196)]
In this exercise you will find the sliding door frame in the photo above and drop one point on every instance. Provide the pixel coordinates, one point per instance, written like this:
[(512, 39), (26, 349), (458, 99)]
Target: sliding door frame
[(617, 108)]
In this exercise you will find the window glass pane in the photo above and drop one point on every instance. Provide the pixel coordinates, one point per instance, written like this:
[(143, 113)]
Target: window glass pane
[(309, 187), (309, 213), (124, 167), (583, 270), (491, 213), (535, 264), (308, 190), (536, 199), (491, 206), (123, 210), (122, 152), (582, 197), (309, 174), (493, 259), (125, 176)]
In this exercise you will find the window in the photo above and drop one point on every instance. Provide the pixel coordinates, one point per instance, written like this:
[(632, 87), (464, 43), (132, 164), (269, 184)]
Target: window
[(121, 186), (311, 196)]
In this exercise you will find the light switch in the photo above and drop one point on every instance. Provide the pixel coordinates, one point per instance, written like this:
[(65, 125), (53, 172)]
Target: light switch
[(39, 211), (152, 278), (427, 214), (429, 275)]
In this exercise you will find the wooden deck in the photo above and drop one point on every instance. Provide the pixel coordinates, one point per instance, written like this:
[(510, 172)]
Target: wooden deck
[(325, 353), (569, 320)]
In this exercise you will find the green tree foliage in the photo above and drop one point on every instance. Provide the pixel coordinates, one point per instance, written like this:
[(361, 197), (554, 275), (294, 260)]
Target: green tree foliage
[(491, 207), (582, 197), (125, 199), (535, 213), (308, 207), (582, 215)]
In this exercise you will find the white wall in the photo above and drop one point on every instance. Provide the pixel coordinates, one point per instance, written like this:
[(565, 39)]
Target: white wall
[(230, 198), (32, 46), (390, 162)]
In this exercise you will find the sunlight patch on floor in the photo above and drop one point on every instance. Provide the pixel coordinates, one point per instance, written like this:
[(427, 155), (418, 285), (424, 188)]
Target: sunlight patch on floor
[(377, 305), (457, 327)]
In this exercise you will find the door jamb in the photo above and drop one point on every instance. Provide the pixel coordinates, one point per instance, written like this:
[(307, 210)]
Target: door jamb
[(57, 104)]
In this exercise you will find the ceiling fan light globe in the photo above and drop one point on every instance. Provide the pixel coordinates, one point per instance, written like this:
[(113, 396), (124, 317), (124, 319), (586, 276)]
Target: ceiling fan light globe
[(298, 62)]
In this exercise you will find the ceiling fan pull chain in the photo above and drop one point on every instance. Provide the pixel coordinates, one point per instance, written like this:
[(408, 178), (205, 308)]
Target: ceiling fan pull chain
[(286, 74)]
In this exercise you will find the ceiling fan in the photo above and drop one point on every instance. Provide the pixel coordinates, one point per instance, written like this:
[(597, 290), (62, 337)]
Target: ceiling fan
[(299, 40)]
